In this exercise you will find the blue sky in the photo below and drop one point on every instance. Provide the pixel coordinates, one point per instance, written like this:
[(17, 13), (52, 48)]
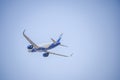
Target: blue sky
[(91, 30)]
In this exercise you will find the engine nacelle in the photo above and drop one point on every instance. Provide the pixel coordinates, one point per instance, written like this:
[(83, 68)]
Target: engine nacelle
[(45, 54), (30, 46)]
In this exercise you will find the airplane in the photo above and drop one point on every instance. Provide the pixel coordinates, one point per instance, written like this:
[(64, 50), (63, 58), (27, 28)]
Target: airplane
[(35, 48)]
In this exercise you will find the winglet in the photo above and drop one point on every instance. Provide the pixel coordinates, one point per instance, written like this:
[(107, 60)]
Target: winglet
[(24, 31), (71, 54)]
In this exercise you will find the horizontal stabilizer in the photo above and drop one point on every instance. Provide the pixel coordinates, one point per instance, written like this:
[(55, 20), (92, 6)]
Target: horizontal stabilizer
[(53, 40), (63, 45)]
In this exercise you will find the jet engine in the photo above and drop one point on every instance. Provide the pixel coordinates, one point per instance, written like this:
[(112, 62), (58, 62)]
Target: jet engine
[(30, 46), (45, 54)]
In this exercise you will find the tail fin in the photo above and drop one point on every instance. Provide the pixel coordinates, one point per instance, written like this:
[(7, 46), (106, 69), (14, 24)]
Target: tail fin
[(59, 37), (59, 40)]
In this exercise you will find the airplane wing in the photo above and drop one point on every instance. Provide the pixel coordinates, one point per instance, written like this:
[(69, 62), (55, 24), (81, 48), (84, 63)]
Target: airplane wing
[(57, 54), (29, 40)]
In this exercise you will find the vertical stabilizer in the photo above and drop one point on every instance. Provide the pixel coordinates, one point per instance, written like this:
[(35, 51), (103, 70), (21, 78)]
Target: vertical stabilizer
[(59, 37)]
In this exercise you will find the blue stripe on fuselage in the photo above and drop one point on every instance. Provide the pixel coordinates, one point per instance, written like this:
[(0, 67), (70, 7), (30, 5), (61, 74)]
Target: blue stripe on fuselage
[(50, 47), (42, 49), (53, 45)]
